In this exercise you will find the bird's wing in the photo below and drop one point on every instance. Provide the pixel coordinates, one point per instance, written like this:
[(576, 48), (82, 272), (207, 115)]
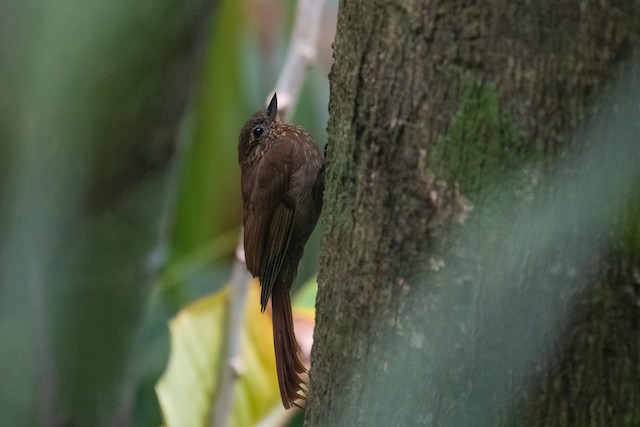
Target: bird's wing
[(269, 218)]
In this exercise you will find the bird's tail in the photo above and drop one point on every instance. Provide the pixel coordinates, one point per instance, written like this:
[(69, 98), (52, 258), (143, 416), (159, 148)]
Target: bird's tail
[(288, 363)]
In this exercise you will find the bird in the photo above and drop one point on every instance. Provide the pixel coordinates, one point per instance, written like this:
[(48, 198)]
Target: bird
[(282, 184)]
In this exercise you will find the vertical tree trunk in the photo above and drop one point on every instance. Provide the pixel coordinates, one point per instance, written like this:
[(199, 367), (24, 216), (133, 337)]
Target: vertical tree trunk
[(462, 282)]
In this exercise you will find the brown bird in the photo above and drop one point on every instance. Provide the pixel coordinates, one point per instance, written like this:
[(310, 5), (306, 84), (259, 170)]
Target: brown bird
[(282, 184)]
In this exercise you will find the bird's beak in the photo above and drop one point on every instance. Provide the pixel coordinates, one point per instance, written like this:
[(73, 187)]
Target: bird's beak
[(272, 110)]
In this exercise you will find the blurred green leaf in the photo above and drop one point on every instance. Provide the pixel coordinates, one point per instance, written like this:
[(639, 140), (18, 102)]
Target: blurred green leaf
[(305, 297), (189, 383), (194, 262), (209, 203), (93, 96)]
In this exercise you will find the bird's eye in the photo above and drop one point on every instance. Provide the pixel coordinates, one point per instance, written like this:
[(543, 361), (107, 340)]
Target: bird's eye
[(257, 131)]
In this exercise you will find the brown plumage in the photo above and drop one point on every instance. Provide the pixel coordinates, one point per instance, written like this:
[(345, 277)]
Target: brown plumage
[(282, 184)]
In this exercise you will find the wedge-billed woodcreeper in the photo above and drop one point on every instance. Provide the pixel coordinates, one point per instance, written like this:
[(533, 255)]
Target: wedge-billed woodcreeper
[(282, 184)]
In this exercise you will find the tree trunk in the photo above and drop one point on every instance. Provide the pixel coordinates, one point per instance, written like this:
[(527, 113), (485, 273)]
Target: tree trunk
[(481, 248)]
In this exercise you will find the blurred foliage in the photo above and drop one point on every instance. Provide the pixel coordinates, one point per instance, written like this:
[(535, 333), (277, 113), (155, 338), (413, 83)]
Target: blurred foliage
[(209, 200), (119, 196), (191, 379), (189, 384)]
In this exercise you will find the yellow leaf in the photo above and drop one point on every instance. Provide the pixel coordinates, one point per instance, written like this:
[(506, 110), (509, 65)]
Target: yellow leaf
[(187, 387)]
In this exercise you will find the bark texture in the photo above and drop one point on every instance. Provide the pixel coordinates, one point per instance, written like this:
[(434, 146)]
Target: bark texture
[(433, 104)]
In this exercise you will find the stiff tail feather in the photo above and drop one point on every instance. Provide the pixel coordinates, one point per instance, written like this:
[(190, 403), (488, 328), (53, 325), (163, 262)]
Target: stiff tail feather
[(288, 363)]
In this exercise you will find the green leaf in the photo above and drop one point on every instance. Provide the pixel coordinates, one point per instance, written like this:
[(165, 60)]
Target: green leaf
[(209, 202), (189, 384), (92, 98)]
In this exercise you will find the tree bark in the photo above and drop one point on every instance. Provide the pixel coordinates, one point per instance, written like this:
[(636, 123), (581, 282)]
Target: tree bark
[(468, 275)]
